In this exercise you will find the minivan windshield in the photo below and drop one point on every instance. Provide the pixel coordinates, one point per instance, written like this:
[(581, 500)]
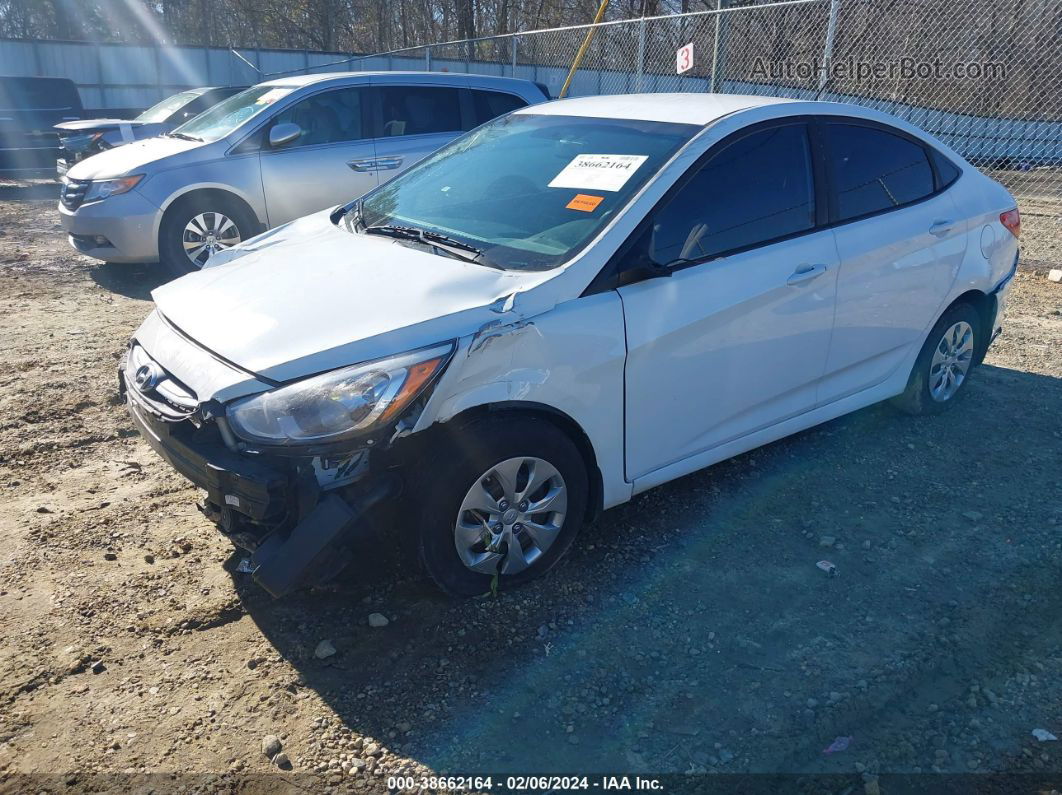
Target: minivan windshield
[(163, 110), (526, 191), (226, 116)]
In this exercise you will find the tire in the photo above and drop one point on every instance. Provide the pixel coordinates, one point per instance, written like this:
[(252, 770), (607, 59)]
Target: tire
[(211, 208), (461, 459), (924, 394)]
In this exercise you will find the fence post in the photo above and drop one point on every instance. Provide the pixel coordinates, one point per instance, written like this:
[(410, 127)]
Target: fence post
[(158, 72), (427, 59), (37, 58), (717, 48), (827, 50), (639, 84), (514, 43), (99, 68)]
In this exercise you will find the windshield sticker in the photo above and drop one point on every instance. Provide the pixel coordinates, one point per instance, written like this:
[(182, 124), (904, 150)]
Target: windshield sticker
[(585, 203), (272, 95), (598, 172)]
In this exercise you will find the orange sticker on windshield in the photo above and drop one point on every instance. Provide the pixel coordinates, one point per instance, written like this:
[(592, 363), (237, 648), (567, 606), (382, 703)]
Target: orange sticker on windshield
[(584, 202)]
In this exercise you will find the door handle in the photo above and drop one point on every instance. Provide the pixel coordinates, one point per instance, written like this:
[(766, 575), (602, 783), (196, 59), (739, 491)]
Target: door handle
[(805, 273), (362, 165), (941, 228), (388, 163)]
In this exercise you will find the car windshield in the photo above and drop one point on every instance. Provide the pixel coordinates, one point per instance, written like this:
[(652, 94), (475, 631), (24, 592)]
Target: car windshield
[(526, 191), (167, 107), (226, 116)]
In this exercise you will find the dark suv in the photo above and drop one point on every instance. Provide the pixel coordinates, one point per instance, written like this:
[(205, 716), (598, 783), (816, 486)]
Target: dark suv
[(29, 108)]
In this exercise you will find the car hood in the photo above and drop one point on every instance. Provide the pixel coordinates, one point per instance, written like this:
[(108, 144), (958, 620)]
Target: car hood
[(94, 125), (130, 158), (310, 296)]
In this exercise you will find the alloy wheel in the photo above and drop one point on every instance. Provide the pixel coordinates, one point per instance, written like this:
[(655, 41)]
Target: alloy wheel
[(208, 233)]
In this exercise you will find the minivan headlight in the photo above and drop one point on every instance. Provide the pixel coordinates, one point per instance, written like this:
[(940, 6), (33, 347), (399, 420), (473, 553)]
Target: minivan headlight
[(340, 404), (111, 187)]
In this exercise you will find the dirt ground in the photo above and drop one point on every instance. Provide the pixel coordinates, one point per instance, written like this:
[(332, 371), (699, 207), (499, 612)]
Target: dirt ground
[(689, 631)]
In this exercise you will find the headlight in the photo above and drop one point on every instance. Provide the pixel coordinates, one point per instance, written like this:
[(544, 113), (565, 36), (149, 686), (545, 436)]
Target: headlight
[(340, 404), (111, 187)]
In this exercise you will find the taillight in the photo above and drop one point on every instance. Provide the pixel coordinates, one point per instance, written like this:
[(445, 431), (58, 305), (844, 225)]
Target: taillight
[(1012, 220)]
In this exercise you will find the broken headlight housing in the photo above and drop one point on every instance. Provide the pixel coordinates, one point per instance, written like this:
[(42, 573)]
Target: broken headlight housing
[(340, 404)]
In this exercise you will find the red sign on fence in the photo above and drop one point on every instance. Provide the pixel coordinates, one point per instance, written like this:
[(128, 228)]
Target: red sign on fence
[(684, 59)]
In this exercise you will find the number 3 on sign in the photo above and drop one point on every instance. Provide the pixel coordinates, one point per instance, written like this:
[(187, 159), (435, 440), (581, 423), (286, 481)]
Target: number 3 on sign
[(684, 59)]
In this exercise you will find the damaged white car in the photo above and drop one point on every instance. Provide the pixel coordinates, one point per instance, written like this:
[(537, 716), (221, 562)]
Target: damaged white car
[(561, 309)]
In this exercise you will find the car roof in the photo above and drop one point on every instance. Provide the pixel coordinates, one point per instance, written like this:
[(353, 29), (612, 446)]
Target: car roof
[(298, 81), (684, 108)]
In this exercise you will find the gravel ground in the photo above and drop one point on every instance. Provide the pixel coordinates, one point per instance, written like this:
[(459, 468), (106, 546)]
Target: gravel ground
[(689, 630)]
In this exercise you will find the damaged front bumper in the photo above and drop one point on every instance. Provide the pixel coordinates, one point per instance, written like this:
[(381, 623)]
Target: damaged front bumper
[(271, 506)]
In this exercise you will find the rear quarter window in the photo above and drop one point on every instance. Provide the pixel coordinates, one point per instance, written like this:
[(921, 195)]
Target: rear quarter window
[(947, 172), (487, 105)]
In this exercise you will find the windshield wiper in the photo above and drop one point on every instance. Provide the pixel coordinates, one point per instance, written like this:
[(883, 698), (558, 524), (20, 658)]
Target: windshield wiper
[(184, 137), (434, 239)]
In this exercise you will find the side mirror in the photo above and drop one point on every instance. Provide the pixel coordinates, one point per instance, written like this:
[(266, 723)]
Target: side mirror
[(283, 134)]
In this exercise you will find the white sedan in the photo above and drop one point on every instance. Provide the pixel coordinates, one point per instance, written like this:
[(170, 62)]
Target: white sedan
[(563, 308)]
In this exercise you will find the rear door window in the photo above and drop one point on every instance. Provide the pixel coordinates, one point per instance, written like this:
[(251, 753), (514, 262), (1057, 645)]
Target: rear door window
[(487, 105), (752, 191), (874, 170), (419, 110)]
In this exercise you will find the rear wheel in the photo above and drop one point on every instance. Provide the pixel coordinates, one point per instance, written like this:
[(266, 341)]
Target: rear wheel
[(944, 364), (505, 497), (195, 228)]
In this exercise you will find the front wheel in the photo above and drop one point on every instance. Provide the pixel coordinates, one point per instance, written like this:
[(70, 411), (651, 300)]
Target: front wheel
[(943, 366), (504, 496), (194, 229)]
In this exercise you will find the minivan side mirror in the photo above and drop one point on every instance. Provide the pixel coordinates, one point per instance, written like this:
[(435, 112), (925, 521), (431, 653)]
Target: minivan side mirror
[(283, 134)]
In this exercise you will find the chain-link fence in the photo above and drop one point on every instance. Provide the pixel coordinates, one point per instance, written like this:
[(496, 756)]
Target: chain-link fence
[(985, 77)]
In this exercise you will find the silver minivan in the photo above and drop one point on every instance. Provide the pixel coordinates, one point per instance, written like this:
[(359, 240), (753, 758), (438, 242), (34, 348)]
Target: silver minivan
[(277, 151)]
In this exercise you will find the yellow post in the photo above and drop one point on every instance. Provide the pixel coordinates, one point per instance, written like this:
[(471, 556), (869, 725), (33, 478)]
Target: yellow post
[(582, 50)]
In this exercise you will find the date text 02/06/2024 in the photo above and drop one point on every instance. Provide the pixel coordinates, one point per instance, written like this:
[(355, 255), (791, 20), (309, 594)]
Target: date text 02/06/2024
[(522, 783)]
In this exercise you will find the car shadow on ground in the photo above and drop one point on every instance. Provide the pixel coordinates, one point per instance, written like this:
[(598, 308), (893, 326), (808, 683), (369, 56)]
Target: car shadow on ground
[(691, 628), (132, 279)]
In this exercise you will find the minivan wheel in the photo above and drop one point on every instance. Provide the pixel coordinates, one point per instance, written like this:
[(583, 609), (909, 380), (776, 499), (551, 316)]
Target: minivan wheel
[(944, 364), (504, 495), (194, 229)]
